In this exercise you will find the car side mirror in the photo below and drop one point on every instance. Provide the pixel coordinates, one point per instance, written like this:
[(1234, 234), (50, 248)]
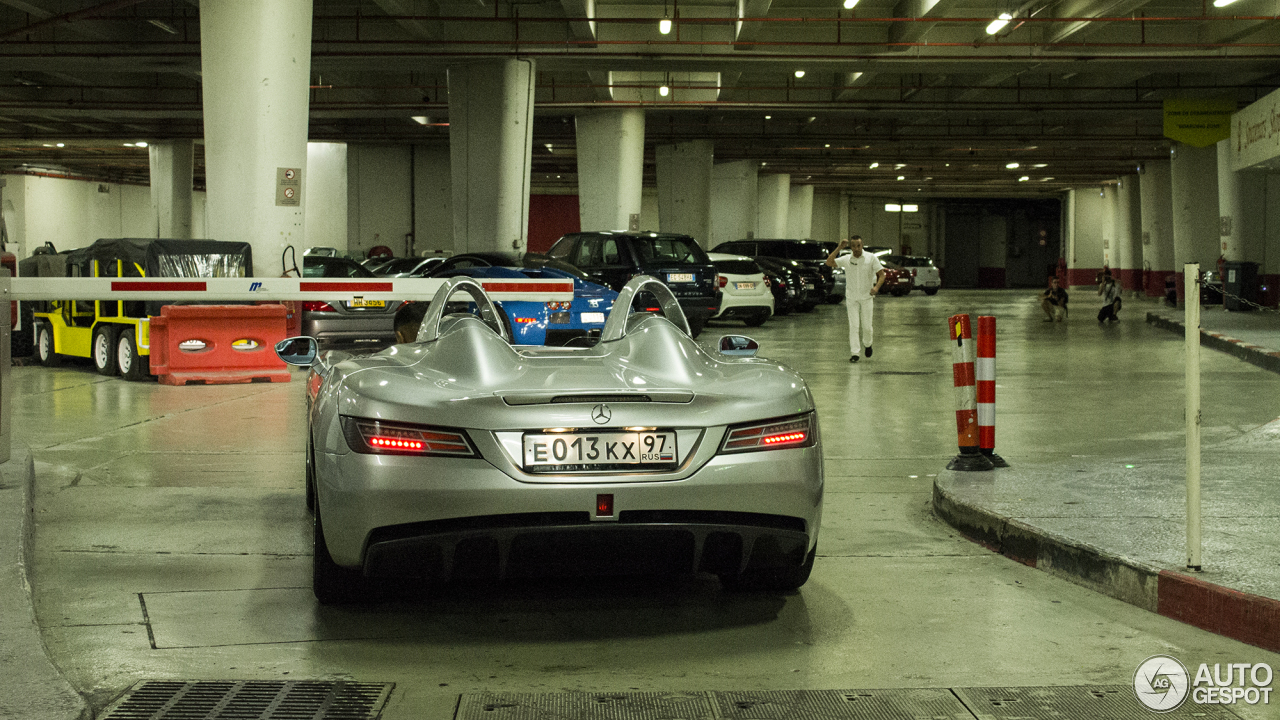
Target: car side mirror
[(739, 345), (301, 350)]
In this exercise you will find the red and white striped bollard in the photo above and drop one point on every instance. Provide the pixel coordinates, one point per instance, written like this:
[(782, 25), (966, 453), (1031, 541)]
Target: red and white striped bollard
[(962, 367), (985, 375)]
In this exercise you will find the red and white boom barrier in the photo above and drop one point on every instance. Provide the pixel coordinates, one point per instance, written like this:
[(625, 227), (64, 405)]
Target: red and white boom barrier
[(985, 374), (962, 366), (273, 289)]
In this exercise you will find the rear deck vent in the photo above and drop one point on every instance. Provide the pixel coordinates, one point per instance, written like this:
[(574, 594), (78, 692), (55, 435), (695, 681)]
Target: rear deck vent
[(264, 700), (600, 398)]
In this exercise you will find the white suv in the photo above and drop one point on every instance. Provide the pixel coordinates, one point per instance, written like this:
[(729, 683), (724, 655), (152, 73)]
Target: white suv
[(746, 294), (922, 269)]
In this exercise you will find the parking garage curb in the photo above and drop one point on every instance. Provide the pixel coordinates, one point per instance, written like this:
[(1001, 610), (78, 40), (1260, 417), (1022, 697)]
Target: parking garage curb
[(1249, 618), (31, 687), (1265, 358)]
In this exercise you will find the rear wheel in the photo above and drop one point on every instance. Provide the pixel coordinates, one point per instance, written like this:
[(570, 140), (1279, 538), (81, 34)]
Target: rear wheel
[(132, 365), (931, 291), (757, 319), (104, 345), (44, 346), (332, 583), (835, 299), (772, 579)]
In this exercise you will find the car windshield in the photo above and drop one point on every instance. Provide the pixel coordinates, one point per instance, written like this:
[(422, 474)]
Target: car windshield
[(321, 266), (400, 265), (670, 248)]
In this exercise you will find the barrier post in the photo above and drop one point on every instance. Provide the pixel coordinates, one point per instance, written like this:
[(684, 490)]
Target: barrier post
[(970, 457), (985, 375), (1191, 322)]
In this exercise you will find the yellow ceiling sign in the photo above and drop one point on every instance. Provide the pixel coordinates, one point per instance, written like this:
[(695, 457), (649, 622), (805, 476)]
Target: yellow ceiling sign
[(1199, 123)]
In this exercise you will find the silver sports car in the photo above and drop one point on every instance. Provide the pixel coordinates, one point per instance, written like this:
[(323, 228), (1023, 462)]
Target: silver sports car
[(459, 456)]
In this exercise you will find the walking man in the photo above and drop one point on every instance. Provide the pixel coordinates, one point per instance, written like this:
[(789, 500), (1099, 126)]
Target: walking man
[(863, 276)]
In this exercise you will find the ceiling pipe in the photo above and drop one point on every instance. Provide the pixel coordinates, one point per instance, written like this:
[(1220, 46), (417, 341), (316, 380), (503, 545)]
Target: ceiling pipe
[(71, 17)]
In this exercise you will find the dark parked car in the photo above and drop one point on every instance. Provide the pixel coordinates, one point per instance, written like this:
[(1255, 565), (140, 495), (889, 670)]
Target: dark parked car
[(613, 258), (346, 325), (811, 253), (408, 267), (799, 284)]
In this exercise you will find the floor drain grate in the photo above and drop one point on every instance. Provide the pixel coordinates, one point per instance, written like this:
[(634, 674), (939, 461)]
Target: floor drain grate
[(251, 699)]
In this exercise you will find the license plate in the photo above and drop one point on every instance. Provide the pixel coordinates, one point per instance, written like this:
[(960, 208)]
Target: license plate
[(593, 317), (361, 302), (808, 286), (746, 285), (599, 451), (679, 277)]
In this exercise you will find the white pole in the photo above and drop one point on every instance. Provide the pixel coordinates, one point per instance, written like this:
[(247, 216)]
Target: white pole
[(1191, 275)]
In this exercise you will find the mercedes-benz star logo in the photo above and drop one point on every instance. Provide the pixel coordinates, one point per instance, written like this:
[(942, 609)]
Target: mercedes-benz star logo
[(601, 414)]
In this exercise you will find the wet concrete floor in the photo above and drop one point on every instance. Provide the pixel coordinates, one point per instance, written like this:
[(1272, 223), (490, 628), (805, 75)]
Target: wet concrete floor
[(172, 540)]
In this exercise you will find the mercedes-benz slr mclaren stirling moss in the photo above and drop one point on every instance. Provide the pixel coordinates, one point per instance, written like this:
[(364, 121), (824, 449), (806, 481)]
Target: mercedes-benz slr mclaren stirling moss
[(459, 456)]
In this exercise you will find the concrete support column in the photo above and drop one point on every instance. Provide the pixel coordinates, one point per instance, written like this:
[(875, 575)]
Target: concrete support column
[(844, 217), (432, 199), (610, 168), (1110, 209), (1194, 179), (172, 163), (1128, 242), (1157, 225), (773, 205), (1085, 222), (1242, 206), (733, 201), (490, 140), (800, 212), (255, 61), (684, 188)]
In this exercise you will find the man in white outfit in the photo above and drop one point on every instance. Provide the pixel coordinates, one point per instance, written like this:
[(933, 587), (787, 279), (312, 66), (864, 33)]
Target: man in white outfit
[(863, 276)]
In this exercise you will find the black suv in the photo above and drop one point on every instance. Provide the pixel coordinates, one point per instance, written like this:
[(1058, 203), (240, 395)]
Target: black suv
[(808, 252), (613, 258)]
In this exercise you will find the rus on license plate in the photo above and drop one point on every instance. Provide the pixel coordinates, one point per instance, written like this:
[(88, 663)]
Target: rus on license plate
[(746, 286), (361, 302), (679, 277), (591, 450)]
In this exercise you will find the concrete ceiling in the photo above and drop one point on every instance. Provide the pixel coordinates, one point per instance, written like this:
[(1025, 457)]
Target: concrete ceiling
[(1071, 90)]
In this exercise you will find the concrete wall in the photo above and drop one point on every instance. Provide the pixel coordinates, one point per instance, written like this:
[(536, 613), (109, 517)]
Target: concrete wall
[(826, 216), (1084, 257), (325, 204), (433, 199), (378, 198), (74, 213)]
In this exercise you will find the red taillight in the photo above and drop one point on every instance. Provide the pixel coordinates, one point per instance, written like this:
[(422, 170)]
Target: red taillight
[(526, 320), (652, 309), (382, 438), (776, 434), (604, 505), (767, 283), (913, 272), (722, 281), (317, 306)]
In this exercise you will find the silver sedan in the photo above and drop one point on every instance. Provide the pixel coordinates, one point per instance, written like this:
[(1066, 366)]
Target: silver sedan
[(459, 456)]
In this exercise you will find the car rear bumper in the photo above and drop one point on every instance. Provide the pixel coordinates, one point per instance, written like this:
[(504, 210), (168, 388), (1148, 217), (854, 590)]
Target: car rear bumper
[(346, 331), (424, 516)]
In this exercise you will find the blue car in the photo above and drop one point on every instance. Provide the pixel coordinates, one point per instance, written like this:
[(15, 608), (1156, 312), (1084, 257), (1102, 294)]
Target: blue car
[(550, 323)]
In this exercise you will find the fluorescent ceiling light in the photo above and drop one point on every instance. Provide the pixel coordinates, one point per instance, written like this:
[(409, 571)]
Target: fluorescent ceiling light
[(1011, 166), (910, 208), (998, 24), (875, 165), (899, 166), (140, 144), (61, 144), (1024, 178), (664, 91), (164, 26), (1222, 3), (768, 117), (799, 73), (892, 207), (902, 177), (421, 119), (664, 26), (849, 4), (1040, 165), (827, 145)]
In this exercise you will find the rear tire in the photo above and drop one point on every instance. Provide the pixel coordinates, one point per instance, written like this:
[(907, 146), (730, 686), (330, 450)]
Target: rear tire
[(133, 367), (103, 347), (757, 320), (835, 299), (332, 583), (44, 346), (931, 291), (772, 579)]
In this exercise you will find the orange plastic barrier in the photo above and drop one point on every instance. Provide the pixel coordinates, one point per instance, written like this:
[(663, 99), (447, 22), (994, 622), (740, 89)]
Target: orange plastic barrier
[(218, 344)]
